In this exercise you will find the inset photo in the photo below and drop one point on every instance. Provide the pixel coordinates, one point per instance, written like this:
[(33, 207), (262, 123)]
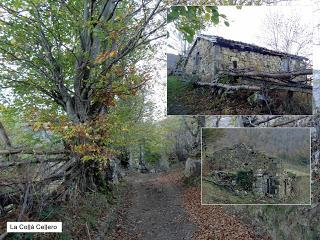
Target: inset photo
[(256, 166), (254, 60)]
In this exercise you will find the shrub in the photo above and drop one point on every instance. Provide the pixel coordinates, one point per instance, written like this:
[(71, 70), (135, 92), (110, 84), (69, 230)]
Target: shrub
[(245, 180)]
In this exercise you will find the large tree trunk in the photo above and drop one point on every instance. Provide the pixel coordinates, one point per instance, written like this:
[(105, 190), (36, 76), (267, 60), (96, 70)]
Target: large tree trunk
[(194, 128), (4, 137)]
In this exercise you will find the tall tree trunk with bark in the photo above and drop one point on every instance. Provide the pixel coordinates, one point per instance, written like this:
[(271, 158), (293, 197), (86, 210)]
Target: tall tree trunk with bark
[(4, 137)]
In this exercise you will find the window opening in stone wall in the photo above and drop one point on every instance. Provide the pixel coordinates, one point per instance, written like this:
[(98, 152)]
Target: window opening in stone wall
[(285, 65), (285, 186), (197, 58), (234, 64)]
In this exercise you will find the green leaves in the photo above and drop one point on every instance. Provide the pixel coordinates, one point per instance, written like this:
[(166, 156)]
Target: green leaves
[(188, 31), (191, 19), (215, 19), (207, 16)]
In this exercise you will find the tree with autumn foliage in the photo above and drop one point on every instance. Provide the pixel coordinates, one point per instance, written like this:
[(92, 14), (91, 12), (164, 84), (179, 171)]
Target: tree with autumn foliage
[(72, 61), (68, 64), (80, 54)]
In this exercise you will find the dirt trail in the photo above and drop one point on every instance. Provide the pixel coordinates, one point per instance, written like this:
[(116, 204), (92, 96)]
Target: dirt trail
[(157, 210)]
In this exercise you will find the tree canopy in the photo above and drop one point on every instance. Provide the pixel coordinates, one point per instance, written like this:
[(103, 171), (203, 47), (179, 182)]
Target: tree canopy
[(190, 19), (77, 55)]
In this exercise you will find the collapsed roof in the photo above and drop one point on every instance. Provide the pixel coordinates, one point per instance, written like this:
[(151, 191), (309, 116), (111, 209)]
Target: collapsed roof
[(240, 156), (241, 46)]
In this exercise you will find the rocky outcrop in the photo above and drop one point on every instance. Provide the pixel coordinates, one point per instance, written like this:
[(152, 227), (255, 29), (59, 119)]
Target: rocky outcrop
[(116, 172), (163, 164), (192, 168)]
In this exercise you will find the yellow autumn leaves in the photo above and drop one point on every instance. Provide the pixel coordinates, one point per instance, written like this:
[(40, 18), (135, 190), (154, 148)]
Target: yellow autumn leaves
[(107, 54)]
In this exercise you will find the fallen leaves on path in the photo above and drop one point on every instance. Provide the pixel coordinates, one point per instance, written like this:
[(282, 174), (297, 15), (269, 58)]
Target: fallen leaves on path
[(213, 222), (173, 177), (120, 230), (134, 214)]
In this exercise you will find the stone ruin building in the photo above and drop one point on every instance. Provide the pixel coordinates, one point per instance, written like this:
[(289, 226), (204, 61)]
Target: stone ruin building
[(269, 177), (210, 55)]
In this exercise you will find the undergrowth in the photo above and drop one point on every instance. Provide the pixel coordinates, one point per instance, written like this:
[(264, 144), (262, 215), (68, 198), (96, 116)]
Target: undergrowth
[(84, 217), (185, 99), (194, 181)]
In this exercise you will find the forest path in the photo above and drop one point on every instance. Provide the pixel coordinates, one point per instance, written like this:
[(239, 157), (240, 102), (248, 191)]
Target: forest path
[(161, 208), (156, 210)]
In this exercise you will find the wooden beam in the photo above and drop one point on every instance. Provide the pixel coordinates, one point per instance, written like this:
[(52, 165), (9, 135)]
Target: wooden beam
[(30, 151), (280, 75), (305, 89), (6, 164)]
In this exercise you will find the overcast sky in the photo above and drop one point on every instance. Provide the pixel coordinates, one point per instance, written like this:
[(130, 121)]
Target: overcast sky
[(248, 23)]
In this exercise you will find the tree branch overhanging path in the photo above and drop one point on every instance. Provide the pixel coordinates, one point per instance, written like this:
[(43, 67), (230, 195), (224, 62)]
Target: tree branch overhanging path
[(76, 59)]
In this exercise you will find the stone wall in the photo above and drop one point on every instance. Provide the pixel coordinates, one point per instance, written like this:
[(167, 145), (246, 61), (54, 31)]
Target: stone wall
[(206, 59), (205, 67), (285, 186)]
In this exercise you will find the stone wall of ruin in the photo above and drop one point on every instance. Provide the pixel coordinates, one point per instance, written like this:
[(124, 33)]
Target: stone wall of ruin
[(206, 67), (214, 58)]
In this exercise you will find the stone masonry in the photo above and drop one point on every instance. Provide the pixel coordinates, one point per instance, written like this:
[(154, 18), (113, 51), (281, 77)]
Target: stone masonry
[(269, 176), (211, 54)]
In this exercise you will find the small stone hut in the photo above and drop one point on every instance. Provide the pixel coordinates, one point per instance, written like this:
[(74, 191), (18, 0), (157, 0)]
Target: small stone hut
[(279, 184), (211, 54), (269, 175)]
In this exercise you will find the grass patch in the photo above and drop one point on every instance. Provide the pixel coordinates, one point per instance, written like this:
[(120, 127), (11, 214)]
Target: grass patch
[(215, 194), (176, 86), (176, 95), (302, 188), (298, 170)]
